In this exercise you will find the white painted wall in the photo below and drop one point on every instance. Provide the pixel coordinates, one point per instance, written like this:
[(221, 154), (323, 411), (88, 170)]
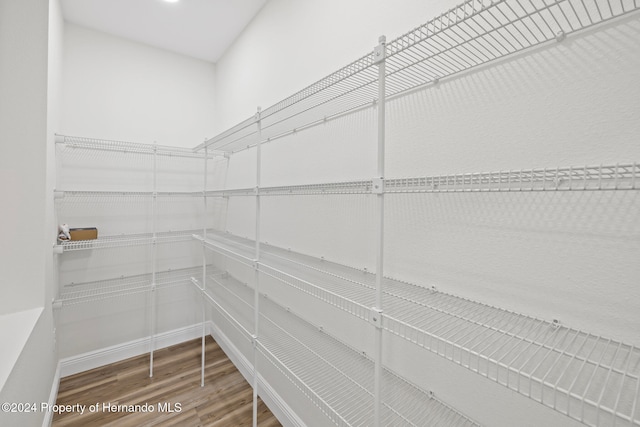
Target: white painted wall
[(291, 44), (566, 256), (23, 127), (30, 56), (118, 89)]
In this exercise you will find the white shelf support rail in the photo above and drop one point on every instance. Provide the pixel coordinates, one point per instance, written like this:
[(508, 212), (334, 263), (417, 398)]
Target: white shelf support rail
[(154, 257), (204, 265), (256, 268), (379, 58)]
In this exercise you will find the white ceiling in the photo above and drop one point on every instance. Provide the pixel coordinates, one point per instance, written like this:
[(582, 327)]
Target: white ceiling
[(202, 29)]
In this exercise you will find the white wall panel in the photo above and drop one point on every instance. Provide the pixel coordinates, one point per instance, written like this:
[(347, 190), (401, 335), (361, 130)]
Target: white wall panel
[(117, 89)]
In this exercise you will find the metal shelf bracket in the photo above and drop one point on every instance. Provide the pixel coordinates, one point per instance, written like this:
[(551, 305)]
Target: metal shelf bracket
[(376, 317), (377, 185), (380, 51)]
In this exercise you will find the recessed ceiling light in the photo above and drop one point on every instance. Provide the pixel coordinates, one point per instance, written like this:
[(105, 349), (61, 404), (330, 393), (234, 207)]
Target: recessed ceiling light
[(172, 1)]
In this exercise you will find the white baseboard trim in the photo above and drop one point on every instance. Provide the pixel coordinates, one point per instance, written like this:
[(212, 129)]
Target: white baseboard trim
[(244, 366), (282, 411), (94, 359), (280, 408), (53, 396)]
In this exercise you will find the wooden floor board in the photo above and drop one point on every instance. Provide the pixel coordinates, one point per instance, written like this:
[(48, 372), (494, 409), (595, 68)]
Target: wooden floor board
[(225, 400)]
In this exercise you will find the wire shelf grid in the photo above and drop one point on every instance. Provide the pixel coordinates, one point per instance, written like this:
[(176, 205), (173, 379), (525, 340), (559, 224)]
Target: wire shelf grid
[(231, 192), (234, 301), (620, 176), (289, 268), (581, 178), (480, 31), (348, 187), (127, 240), (234, 137), (331, 377), (332, 298), (587, 377), (351, 87), (245, 259), (76, 293), (336, 377), (84, 143), (236, 295), (95, 196), (226, 315), (326, 409)]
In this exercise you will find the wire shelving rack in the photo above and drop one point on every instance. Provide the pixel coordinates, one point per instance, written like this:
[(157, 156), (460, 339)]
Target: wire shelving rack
[(123, 177), (335, 377), (126, 147), (127, 240), (587, 377), (78, 293), (621, 176)]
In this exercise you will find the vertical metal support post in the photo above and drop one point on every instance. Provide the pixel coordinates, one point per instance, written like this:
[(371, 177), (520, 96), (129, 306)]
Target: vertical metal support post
[(204, 319), (204, 263), (256, 280), (378, 189), (154, 254)]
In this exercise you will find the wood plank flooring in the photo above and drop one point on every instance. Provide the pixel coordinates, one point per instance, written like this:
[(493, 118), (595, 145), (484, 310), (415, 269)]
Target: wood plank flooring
[(174, 393)]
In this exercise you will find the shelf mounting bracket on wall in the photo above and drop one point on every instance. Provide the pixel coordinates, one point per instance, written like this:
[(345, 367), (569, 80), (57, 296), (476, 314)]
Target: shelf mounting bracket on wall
[(377, 185), (376, 317), (380, 51)]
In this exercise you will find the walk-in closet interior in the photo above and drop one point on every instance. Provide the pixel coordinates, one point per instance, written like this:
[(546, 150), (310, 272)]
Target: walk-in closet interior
[(442, 231)]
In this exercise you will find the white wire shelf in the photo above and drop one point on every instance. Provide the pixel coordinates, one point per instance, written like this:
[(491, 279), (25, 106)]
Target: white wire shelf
[(472, 34), (231, 192), (110, 195), (351, 87), (592, 379), (621, 176), (575, 178), (126, 240), (84, 143), (348, 187), (345, 187), (337, 378), (481, 31), (243, 133), (233, 316), (77, 293)]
